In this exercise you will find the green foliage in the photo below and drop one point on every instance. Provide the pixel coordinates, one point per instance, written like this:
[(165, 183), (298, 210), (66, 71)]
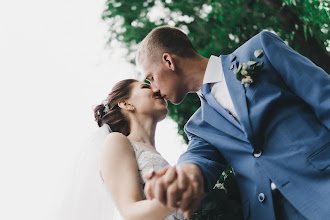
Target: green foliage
[(219, 27), (315, 16), (181, 113), (216, 27), (224, 201)]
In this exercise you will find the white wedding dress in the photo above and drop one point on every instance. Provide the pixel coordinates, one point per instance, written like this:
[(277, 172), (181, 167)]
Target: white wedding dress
[(87, 197), (147, 161)]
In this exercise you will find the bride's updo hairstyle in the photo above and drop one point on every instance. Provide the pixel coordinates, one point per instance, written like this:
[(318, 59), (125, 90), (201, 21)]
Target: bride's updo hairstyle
[(110, 113)]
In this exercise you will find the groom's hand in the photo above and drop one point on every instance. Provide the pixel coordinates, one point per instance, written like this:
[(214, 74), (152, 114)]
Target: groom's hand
[(179, 187), (191, 188)]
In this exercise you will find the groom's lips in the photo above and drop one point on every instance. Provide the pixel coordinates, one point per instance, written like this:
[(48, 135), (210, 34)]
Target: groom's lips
[(159, 97)]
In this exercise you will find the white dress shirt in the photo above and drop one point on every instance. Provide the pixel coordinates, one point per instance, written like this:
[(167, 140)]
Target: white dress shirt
[(215, 76)]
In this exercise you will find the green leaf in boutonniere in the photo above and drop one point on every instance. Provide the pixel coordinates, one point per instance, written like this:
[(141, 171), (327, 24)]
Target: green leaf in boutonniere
[(245, 71), (252, 63), (238, 72)]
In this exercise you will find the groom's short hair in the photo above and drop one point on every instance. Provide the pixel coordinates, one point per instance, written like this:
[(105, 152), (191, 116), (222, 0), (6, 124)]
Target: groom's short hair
[(165, 39)]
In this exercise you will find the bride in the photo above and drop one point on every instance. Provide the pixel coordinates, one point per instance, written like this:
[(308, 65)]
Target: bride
[(127, 121)]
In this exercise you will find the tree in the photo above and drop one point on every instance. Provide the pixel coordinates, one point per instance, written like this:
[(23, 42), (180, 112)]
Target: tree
[(219, 27)]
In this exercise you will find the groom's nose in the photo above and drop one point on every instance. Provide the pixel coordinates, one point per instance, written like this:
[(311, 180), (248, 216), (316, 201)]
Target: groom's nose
[(155, 89)]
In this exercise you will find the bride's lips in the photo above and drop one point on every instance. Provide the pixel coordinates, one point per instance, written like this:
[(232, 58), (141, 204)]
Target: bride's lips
[(161, 98)]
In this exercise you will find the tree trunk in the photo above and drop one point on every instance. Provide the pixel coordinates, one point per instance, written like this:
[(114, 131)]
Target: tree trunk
[(313, 49)]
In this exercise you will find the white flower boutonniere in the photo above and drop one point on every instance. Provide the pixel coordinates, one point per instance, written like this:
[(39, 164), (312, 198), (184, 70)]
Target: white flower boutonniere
[(245, 71)]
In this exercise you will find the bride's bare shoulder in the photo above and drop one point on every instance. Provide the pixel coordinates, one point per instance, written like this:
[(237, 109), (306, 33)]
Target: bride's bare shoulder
[(116, 140), (116, 136)]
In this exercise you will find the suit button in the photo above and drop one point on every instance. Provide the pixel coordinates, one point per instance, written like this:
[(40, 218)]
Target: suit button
[(261, 197), (257, 153)]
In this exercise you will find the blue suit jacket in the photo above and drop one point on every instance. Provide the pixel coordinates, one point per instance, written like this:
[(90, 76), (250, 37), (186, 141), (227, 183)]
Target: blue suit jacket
[(285, 113)]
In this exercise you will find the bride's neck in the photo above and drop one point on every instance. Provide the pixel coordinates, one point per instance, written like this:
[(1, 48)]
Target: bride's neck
[(143, 131)]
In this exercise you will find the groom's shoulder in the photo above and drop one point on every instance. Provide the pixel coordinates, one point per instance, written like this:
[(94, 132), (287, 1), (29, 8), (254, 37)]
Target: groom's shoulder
[(263, 35), (266, 33), (258, 41), (268, 36)]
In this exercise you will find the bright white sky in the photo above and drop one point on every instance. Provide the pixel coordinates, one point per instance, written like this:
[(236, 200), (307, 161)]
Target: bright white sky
[(54, 67)]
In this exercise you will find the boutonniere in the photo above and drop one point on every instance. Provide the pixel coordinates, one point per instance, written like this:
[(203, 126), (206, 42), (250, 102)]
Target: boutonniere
[(245, 71)]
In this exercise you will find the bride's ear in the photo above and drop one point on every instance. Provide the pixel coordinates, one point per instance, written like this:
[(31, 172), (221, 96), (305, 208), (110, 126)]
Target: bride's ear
[(125, 105), (168, 61)]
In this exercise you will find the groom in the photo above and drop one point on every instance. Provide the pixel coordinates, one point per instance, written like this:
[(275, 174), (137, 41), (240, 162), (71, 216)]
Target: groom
[(265, 110)]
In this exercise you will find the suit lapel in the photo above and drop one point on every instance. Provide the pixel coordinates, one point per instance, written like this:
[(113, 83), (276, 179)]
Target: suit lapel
[(237, 93), (216, 106), (212, 117)]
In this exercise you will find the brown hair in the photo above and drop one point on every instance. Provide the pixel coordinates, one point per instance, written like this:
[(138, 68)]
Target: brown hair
[(114, 117), (165, 39)]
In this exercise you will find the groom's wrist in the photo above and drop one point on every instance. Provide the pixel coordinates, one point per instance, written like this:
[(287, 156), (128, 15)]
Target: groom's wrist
[(194, 172)]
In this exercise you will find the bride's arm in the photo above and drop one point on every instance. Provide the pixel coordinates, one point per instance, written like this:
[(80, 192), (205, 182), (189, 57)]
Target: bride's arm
[(121, 176)]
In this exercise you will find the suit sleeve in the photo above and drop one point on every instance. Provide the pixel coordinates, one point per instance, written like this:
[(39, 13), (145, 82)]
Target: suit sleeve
[(207, 157), (302, 76)]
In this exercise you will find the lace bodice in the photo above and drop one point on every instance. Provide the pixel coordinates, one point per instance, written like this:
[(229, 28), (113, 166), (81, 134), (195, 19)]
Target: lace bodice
[(146, 161)]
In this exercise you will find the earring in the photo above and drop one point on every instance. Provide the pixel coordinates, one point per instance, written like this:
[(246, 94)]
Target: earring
[(132, 108)]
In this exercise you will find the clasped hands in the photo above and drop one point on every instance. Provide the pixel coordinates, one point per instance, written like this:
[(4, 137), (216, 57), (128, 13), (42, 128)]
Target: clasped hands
[(179, 187)]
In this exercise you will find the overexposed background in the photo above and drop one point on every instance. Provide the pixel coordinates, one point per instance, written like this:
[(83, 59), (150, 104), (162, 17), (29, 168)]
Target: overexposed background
[(54, 66)]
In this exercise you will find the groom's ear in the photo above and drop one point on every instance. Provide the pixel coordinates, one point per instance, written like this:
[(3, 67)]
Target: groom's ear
[(168, 61)]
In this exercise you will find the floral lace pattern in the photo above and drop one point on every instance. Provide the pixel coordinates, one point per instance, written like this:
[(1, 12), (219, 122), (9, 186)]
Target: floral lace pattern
[(146, 161)]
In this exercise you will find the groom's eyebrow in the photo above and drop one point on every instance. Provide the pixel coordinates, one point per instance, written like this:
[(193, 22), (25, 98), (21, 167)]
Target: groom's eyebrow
[(144, 84), (148, 77)]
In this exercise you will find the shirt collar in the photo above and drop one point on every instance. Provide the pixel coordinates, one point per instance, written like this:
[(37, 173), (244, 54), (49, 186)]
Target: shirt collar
[(213, 70)]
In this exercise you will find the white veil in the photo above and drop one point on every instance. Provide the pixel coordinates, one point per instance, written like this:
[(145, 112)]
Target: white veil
[(87, 197)]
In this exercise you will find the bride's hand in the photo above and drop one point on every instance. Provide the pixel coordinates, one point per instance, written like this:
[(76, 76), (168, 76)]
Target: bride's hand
[(154, 187), (161, 185)]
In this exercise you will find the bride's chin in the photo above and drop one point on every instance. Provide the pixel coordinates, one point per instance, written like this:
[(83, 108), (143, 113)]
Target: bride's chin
[(163, 116), (161, 119)]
